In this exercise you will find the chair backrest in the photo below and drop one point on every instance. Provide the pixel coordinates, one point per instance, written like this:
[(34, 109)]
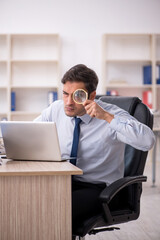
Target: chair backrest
[(134, 159)]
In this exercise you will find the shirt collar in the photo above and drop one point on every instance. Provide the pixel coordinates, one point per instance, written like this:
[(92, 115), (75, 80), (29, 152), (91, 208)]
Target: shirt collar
[(85, 118)]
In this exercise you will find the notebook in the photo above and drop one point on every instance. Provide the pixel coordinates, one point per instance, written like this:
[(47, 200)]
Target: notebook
[(26, 140)]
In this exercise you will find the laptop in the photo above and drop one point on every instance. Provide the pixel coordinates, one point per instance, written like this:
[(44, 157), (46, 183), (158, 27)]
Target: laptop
[(26, 140)]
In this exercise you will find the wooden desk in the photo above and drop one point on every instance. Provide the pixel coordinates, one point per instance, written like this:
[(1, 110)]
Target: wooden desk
[(35, 200)]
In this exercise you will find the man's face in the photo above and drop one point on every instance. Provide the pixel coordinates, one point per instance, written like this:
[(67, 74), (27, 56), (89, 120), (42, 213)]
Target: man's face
[(71, 108)]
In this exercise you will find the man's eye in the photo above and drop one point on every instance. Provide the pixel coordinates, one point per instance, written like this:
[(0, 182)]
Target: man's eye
[(65, 94)]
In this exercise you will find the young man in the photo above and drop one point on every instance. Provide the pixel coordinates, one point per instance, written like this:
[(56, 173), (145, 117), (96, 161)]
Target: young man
[(104, 131)]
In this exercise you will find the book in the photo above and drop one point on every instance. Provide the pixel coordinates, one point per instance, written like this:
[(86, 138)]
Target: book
[(52, 96), (13, 101)]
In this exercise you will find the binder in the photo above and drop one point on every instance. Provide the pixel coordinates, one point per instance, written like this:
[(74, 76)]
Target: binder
[(112, 93), (52, 96), (147, 74), (147, 98), (158, 74), (13, 101)]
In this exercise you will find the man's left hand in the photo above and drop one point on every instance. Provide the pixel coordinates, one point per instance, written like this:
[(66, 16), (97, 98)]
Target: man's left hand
[(94, 110)]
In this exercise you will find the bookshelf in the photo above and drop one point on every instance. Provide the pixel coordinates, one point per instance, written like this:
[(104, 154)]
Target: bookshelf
[(29, 66), (123, 59)]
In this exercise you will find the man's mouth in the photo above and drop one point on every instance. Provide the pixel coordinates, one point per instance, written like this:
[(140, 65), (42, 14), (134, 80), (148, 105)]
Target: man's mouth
[(69, 108)]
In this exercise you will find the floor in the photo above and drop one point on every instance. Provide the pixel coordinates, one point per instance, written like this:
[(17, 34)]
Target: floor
[(147, 226)]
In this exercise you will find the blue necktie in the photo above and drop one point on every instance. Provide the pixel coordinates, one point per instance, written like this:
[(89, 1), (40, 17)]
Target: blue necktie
[(75, 140)]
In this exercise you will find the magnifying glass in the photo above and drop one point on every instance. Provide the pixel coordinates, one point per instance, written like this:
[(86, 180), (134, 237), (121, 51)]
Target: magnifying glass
[(80, 96)]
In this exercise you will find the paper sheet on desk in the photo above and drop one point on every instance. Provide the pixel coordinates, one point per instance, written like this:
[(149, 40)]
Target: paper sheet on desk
[(4, 160), (2, 149)]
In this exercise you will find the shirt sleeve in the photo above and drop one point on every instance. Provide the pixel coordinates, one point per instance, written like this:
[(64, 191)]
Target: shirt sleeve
[(49, 114), (132, 132), (44, 117), (38, 119)]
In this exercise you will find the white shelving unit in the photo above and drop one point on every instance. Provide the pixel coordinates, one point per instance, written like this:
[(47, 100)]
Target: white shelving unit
[(3, 76), (29, 66), (124, 56)]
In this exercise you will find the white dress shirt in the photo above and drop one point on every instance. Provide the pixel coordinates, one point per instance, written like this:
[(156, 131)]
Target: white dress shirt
[(101, 144)]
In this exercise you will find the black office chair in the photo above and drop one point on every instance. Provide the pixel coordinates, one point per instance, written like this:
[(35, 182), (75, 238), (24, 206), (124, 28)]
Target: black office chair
[(121, 199)]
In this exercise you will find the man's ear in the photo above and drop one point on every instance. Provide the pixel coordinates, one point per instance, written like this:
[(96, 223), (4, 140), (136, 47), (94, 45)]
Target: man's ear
[(92, 95)]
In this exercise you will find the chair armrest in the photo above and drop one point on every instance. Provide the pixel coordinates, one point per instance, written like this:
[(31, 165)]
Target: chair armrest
[(110, 191)]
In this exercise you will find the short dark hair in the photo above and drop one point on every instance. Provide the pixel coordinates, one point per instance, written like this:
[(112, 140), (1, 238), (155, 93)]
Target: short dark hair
[(81, 73)]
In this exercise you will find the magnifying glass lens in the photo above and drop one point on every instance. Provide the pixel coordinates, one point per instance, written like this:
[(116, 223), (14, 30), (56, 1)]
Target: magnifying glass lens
[(80, 96)]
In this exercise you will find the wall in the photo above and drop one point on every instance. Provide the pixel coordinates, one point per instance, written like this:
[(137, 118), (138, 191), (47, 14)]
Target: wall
[(80, 23)]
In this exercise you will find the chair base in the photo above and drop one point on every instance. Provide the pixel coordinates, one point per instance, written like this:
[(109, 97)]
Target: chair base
[(97, 230)]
